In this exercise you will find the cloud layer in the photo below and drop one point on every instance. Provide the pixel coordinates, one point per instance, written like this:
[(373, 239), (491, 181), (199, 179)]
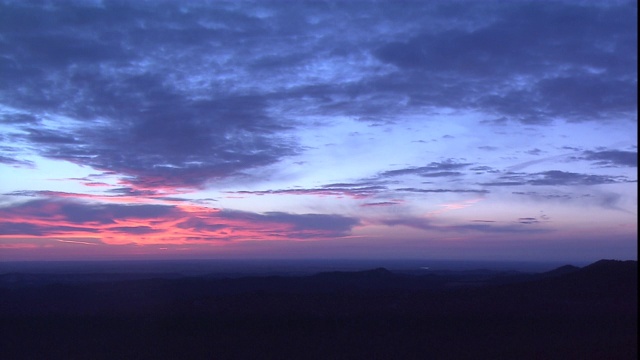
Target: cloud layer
[(134, 122), (148, 224)]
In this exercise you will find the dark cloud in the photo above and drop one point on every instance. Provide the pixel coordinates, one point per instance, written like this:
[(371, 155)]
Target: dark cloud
[(363, 184), (303, 225), (27, 229), (139, 230), (573, 96), (85, 63), (128, 191), (501, 121), (198, 224), (412, 222), (45, 217), (608, 200), (15, 162), (484, 169), (441, 174), (12, 228), (415, 190), (111, 194), (434, 169), (545, 196), (80, 213), (178, 95), (351, 190), (613, 158), (503, 183), (19, 118), (558, 47), (381, 203), (604, 199), (29, 193), (46, 137), (528, 221), (555, 178), (337, 223), (486, 228), (483, 226), (174, 142)]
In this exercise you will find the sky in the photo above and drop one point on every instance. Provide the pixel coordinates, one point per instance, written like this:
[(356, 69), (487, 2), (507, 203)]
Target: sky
[(462, 130)]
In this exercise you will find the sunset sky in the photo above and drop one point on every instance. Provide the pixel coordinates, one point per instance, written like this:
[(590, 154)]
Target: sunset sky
[(313, 129)]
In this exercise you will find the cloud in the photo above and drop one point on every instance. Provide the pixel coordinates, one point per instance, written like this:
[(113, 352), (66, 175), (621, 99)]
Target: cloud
[(604, 199), (356, 191), (301, 223), (16, 162), (613, 158), (48, 137), (381, 203), (528, 220), (502, 229), (129, 191), (482, 226), (434, 169), (169, 98), (18, 118), (334, 224), (545, 196), (84, 213), (122, 116), (574, 95), (412, 222), (416, 190), (441, 174), (180, 95), (582, 83), (482, 169), (160, 224), (555, 178)]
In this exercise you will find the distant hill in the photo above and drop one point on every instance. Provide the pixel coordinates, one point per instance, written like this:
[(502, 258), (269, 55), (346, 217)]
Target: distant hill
[(568, 312), (566, 269), (604, 278)]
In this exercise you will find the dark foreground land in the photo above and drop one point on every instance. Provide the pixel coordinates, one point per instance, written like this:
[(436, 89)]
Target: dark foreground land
[(567, 313)]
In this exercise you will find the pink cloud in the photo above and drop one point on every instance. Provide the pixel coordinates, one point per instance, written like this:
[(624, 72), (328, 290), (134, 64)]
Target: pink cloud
[(148, 224)]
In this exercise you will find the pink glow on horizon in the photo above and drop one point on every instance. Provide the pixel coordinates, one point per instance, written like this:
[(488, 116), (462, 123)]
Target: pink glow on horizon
[(182, 224)]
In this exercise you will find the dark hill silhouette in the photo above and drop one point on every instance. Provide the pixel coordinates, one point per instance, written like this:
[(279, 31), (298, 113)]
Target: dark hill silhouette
[(569, 312), (609, 269), (602, 279), (566, 269)]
